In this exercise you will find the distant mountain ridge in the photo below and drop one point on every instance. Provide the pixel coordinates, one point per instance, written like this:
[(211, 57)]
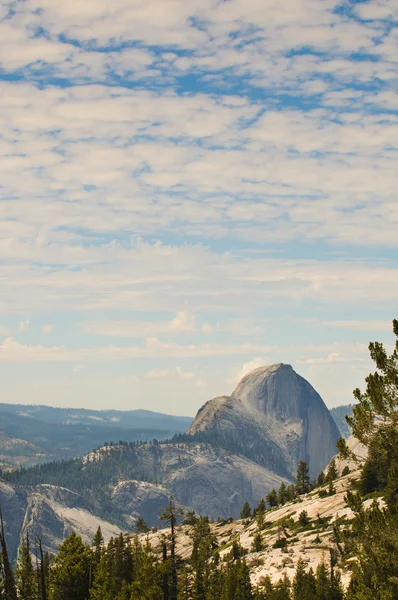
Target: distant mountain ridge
[(36, 434), (124, 419)]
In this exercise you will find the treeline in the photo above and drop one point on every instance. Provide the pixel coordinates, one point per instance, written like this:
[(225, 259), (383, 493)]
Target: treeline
[(130, 569)]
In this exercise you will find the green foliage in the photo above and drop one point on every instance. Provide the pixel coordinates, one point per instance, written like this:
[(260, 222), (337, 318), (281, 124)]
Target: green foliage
[(258, 543), (304, 583), (378, 405), (272, 498), (373, 539), (304, 519), (303, 485), (246, 511), (26, 575), (190, 518), (7, 581), (141, 526), (332, 473), (70, 574), (280, 543), (282, 494)]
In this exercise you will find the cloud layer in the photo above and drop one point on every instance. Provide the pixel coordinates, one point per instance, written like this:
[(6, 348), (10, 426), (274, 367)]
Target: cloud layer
[(187, 180)]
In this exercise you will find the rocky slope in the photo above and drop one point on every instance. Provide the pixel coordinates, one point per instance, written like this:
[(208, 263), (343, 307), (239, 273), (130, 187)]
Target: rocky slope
[(276, 418), (311, 542)]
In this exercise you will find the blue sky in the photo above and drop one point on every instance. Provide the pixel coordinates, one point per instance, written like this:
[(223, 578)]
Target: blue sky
[(191, 189)]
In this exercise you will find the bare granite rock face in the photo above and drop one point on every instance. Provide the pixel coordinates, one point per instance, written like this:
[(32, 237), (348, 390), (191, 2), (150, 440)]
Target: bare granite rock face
[(13, 504), (276, 418), (51, 512)]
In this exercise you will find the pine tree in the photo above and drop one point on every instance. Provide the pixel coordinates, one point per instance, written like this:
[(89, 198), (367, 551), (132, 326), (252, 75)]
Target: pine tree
[(332, 473), (257, 542), (101, 588), (302, 479), (141, 526), (246, 511), (98, 545), (282, 589), (26, 575), (282, 493), (272, 498), (148, 580), (323, 588), (303, 584), (10, 592), (70, 575), (170, 515)]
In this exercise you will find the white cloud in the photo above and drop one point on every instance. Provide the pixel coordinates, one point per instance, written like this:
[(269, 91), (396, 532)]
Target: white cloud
[(169, 374), (330, 358), (362, 325), (22, 325), (183, 322), (47, 328), (249, 366)]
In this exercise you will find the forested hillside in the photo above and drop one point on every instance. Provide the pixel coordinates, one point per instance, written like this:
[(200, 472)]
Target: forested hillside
[(32, 435)]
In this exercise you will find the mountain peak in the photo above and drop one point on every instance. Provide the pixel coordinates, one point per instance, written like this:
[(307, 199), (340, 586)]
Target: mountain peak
[(275, 417)]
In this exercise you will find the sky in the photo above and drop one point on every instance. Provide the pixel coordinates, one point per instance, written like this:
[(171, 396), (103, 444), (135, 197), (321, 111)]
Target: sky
[(191, 189)]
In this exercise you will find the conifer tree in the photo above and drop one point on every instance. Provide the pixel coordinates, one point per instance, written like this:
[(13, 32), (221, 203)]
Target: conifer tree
[(10, 592), (70, 574), (246, 511), (303, 584), (170, 515), (282, 589), (141, 526), (323, 588), (98, 545), (26, 575), (272, 498), (302, 479), (332, 470), (282, 494)]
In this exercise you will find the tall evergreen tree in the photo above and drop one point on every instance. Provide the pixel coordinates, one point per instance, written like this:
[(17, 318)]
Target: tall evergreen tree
[(302, 479), (170, 515), (246, 511), (70, 574), (26, 575), (303, 584), (10, 592)]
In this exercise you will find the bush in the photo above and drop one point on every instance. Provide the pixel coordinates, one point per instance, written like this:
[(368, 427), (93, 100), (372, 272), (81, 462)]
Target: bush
[(304, 518), (281, 543)]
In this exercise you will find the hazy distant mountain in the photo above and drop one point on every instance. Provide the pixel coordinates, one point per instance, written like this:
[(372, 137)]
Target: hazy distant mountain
[(37, 434), (122, 419), (339, 414)]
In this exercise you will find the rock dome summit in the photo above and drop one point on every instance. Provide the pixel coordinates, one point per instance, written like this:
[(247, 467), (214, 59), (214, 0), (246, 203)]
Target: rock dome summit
[(275, 417)]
